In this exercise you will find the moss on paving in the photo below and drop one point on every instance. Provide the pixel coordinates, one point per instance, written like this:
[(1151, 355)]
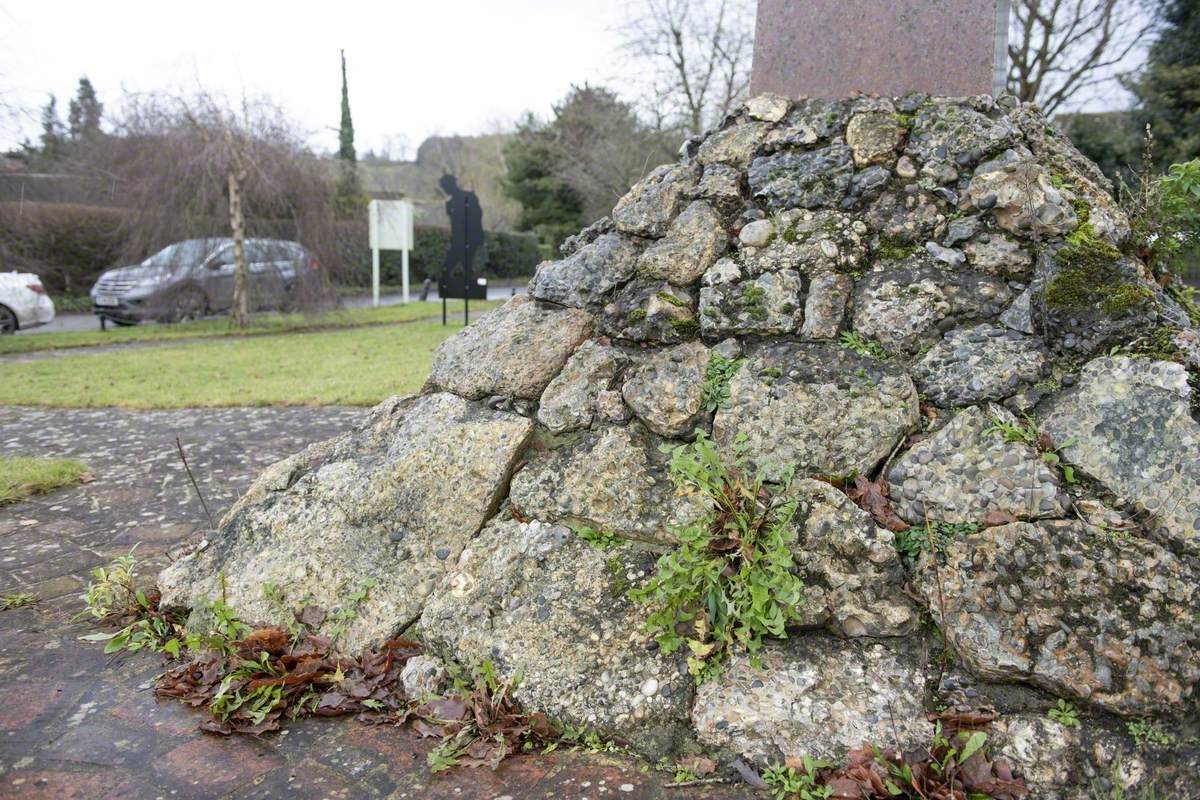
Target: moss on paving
[(22, 477)]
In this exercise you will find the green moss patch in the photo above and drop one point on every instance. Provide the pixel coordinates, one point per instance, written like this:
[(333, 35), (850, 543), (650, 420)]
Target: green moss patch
[(1091, 276)]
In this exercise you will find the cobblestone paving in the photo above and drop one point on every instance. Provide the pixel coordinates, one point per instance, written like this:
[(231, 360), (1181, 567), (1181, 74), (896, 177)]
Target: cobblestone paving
[(75, 723)]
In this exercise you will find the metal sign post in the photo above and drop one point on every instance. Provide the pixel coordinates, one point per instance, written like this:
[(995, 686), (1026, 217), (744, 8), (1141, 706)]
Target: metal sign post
[(391, 228)]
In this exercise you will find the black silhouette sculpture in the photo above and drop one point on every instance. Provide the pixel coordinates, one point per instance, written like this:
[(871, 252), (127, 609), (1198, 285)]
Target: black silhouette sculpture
[(466, 243)]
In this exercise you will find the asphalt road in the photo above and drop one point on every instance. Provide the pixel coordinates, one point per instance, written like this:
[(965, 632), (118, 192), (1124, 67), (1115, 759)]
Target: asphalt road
[(89, 322)]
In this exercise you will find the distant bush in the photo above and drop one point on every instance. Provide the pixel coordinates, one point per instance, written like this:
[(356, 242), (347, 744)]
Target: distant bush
[(66, 245), (70, 245), (508, 255)]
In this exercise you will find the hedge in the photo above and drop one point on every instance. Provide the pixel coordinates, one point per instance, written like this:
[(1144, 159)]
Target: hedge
[(70, 245)]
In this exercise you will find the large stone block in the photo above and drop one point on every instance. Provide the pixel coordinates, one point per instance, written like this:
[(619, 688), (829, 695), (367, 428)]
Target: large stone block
[(393, 502)]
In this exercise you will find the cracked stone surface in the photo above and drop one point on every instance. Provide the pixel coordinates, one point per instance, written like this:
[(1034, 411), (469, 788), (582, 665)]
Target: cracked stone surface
[(536, 598), (854, 581), (1101, 620), (1128, 425), (819, 407), (967, 470), (569, 402), (973, 365), (514, 351), (394, 501), (815, 696)]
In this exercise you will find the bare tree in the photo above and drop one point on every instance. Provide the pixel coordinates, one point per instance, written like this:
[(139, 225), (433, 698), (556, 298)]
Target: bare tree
[(693, 56), (198, 167), (1060, 48)]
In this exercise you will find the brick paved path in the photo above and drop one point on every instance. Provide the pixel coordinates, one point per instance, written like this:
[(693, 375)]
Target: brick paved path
[(77, 724)]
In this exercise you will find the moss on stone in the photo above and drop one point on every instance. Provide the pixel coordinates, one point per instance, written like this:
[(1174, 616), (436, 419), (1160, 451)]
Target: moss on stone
[(688, 327), (1090, 274), (1124, 297), (667, 297), (636, 316), (753, 301), (892, 249)]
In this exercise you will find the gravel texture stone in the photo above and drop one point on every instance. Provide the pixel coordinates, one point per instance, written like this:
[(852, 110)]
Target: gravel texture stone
[(418, 478), (967, 470), (813, 179), (695, 240), (972, 365), (569, 402), (815, 696), (537, 600), (1127, 424), (514, 351), (588, 277), (1096, 619), (734, 145), (904, 305), (825, 307), (874, 137), (818, 407), (854, 581), (651, 312), (651, 205), (733, 303), (611, 479), (665, 389)]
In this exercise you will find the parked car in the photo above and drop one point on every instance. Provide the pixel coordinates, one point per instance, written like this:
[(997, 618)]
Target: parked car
[(23, 302), (193, 278)]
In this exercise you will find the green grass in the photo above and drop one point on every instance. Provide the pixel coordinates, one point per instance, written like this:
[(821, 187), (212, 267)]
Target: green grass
[(359, 366), (261, 324), (23, 477)]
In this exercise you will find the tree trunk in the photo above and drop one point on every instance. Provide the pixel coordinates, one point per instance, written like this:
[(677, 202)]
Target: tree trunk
[(241, 294)]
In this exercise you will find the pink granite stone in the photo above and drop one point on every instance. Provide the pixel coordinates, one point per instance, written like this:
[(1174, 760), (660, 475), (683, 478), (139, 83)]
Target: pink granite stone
[(834, 48)]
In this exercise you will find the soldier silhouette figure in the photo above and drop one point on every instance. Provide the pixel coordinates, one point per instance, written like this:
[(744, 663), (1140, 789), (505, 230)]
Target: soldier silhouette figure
[(466, 242)]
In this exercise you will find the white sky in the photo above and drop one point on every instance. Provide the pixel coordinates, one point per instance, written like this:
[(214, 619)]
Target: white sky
[(417, 67)]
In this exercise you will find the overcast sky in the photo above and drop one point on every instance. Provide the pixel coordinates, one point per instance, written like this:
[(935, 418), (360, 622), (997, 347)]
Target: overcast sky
[(416, 67)]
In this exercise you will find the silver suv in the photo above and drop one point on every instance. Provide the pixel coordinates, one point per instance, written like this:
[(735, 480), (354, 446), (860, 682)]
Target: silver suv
[(190, 279)]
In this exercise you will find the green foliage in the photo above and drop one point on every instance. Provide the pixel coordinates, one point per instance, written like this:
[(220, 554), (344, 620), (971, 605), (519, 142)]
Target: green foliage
[(1027, 432), (732, 579), (111, 590), (1165, 91), (1064, 714), (933, 535), (786, 783), (112, 594), (852, 340), (84, 112), (1147, 735), (17, 600), (720, 372), (597, 537), (550, 207)]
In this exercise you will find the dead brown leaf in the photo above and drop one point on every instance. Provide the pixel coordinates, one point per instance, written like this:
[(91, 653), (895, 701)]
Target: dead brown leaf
[(872, 497)]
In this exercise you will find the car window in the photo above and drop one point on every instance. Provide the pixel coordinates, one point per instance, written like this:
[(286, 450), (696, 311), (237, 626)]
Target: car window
[(181, 254), (224, 256)]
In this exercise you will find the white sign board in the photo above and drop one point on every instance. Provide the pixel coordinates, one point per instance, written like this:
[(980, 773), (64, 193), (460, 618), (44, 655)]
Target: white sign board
[(390, 228)]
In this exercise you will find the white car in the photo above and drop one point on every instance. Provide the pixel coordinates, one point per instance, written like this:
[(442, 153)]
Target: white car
[(23, 302)]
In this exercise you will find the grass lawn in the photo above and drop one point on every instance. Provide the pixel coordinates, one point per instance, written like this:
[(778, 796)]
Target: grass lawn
[(357, 366), (22, 477), (260, 324)]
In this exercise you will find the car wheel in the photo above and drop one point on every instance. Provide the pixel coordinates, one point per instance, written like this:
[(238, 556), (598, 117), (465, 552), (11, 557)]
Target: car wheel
[(8, 321), (188, 304)]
